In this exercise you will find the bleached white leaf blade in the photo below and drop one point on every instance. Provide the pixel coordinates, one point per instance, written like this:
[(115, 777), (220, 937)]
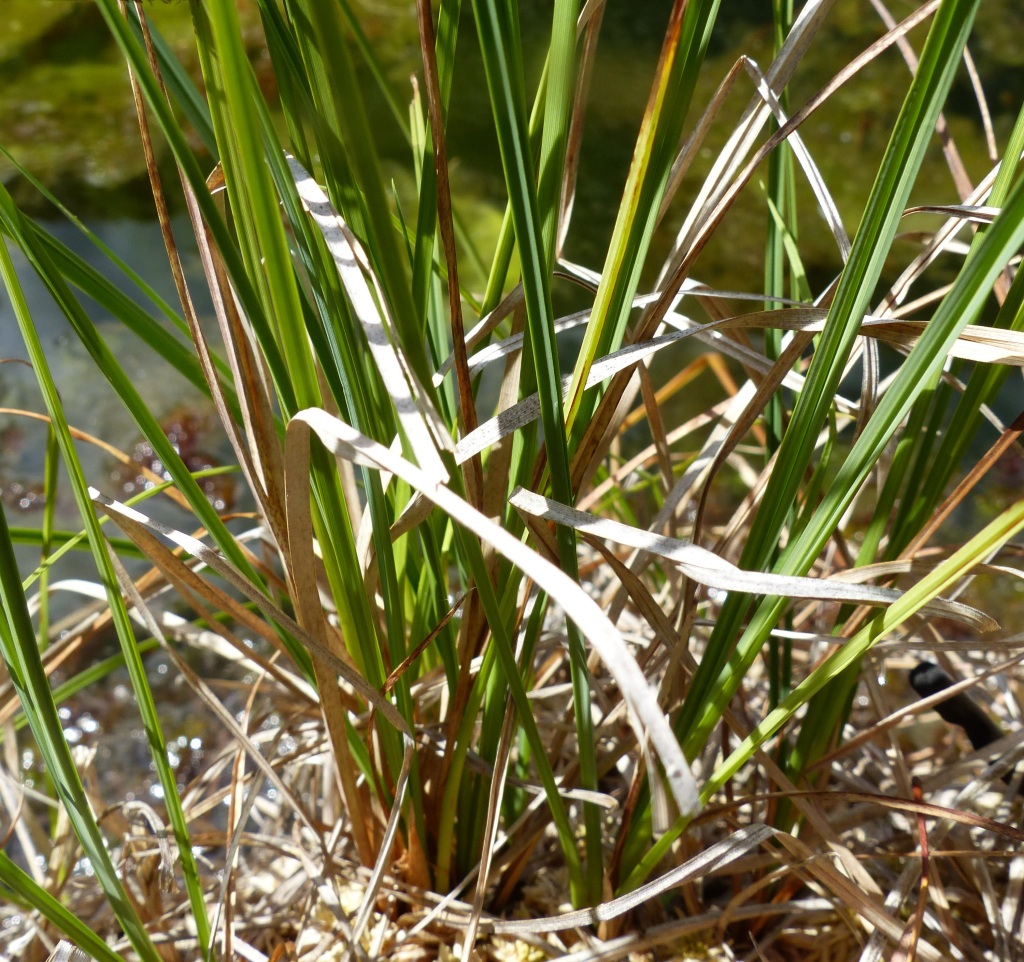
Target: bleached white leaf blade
[(423, 427), (707, 568), (711, 859)]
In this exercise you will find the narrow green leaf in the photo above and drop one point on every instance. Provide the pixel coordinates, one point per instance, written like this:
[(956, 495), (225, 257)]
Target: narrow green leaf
[(902, 160)]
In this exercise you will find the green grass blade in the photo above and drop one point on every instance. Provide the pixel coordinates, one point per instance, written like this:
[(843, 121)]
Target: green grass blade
[(982, 386), (179, 84), (119, 614), (561, 79), (497, 26), (16, 227), (980, 548), (375, 67), (910, 139), (32, 896), (352, 168), (960, 306), (251, 194), (945, 576), (686, 40), (133, 52), (21, 653)]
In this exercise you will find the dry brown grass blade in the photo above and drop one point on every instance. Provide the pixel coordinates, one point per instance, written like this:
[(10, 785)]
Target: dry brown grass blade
[(800, 38), (723, 336), (467, 403), (915, 707), (672, 279), (259, 454), (729, 162), (968, 212), (711, 859), (656, 424), (924, 561), (499, 461), (207, 598), (741, 423), (906, 948), (401, 669), (666, 636), (303, 576), (983, 112), (957, 171), (689, 150), (940, 241), (270, 610), (678, 267), (153, 172), (216, 282), (110, 449), (621, 473), (589, 25), (741, 140), (909, 806), (1009, 437), (224, 716), (684, 490), (248, 369), (850, 895), (494, 796), (670, 389), (512, 301), (975, 342), (666, 938)]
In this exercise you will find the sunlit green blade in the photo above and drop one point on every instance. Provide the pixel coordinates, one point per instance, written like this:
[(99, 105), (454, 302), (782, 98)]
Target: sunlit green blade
[(21, 885), (910, 139), (21, 653), (352, 167), (960, 306), (941, 579), (498, 29), (683, 53), (126, 39)]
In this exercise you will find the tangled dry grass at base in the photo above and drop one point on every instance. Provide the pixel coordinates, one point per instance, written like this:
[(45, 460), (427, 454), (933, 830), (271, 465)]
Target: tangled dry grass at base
[(295, 885)]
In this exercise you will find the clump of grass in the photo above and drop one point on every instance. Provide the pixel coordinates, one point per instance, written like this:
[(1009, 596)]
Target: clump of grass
[(492, 655)]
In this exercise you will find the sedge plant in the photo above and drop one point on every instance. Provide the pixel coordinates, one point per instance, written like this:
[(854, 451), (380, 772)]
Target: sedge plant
[(505, 633)]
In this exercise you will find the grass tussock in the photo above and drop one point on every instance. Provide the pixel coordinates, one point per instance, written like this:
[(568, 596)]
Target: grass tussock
[(499, 659)]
